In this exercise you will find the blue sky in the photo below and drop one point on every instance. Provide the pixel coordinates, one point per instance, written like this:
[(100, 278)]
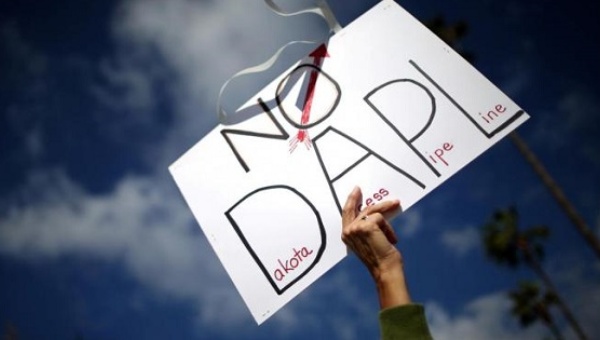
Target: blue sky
[(99, 97)]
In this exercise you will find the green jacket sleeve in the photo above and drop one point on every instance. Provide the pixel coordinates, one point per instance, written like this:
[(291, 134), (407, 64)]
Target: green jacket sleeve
[(404, 322)]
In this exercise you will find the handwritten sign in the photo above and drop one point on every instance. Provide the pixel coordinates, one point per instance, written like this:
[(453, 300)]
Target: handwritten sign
[(385, 105)]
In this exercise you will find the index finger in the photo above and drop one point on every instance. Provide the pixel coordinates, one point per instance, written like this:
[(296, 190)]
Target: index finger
[(350, 209), (381, 207)]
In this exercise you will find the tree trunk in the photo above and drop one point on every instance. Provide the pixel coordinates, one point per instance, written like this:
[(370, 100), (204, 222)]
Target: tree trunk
[(557, 193), (555, 331), (535, 265)]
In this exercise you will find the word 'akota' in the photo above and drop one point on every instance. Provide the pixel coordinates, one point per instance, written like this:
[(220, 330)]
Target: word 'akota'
[(291, 264)]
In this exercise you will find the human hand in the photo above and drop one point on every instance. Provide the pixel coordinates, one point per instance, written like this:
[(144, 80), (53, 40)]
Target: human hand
[(372, 239), (369, 235)]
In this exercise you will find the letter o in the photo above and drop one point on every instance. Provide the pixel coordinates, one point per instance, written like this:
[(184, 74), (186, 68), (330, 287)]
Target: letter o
[(280, 91)]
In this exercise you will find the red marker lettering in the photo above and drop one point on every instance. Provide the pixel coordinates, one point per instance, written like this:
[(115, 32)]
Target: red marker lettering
[(438, 154), (291, 264), (490, 115)]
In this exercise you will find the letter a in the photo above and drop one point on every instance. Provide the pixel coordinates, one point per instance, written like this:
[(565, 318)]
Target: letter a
[(410, 88), (278, 275)]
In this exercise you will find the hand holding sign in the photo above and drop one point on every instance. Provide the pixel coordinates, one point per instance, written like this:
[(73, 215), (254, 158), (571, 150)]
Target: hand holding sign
[(372, 239), (368, 233)]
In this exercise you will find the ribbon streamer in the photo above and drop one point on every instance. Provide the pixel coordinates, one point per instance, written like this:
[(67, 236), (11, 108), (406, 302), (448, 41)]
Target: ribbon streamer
[(322, 10)]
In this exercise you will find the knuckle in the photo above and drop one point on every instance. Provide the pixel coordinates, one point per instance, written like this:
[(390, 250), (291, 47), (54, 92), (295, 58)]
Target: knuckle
[(369, 209), (357, 228), (346, 233), (377, 217)]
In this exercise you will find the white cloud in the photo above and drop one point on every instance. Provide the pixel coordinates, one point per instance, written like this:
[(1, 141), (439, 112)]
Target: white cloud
[(486, 317), (348, 312), (409, 222), (578, 282), (142, 224), (461, 241), (201, 44), (132, 79), (145, 226)]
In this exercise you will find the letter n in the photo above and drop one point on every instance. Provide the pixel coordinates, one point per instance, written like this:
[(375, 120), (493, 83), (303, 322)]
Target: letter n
[(282, 135)]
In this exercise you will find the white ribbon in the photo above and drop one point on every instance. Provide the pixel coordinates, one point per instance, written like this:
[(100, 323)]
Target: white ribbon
[(322, 9)]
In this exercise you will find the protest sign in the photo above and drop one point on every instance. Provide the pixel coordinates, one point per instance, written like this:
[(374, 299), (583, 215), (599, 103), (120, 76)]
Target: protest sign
[(384, 105)]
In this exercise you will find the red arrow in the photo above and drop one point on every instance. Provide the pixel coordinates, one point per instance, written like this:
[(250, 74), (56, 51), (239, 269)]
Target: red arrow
[(318, 55)]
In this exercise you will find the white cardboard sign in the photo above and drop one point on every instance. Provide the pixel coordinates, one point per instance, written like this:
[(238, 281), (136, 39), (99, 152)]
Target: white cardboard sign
[(385, 105)]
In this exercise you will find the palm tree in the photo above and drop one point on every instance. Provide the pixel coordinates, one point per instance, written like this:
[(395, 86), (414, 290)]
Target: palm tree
[(507, 245), (529, 306), (10, 331), (556, 192), (452, 34)]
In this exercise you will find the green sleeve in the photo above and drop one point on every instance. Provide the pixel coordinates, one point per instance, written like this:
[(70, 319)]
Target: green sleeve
[(404, 322)]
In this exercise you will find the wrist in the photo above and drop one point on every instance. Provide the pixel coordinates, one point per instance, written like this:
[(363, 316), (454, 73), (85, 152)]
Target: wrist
[(388, 267), (391, 285)]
